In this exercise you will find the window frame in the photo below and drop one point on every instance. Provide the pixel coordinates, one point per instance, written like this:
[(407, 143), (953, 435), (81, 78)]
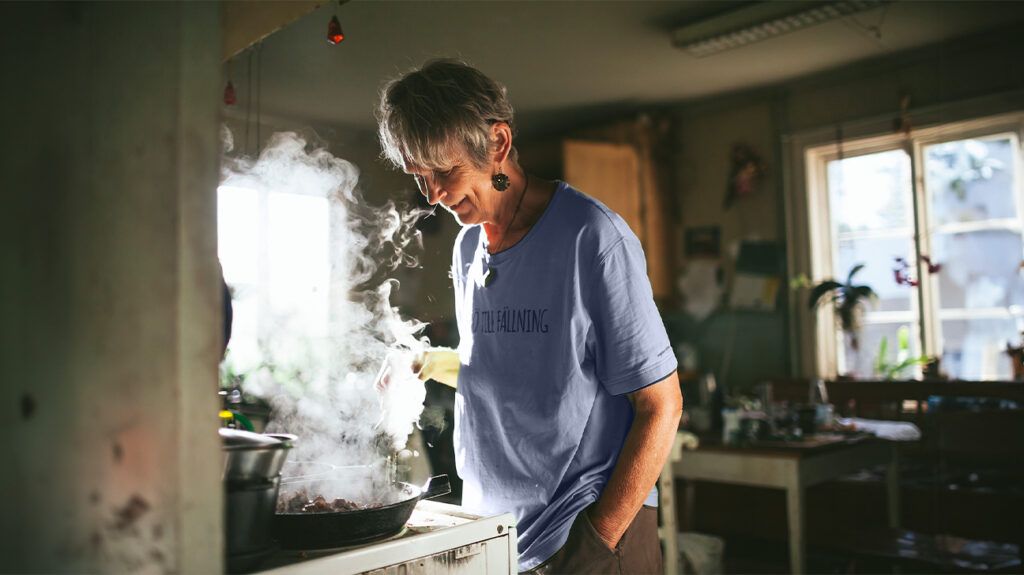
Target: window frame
[(814, 345)]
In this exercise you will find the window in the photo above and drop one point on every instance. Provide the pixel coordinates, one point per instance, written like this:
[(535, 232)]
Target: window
[(273, 247), (937, 220)]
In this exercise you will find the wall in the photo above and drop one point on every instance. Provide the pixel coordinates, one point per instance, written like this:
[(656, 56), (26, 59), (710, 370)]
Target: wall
[(109, 294), (745, 347)]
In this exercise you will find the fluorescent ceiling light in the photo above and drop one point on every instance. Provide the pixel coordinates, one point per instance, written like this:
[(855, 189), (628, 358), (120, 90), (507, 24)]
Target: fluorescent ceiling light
[(761, 21)]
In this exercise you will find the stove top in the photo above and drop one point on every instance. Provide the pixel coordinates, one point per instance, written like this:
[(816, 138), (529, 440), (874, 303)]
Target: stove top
[(304, 554), (448, 537)]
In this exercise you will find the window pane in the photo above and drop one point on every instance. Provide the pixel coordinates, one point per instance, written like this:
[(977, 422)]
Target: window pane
[(298, 260), (976, 236), (870, 192), (979, 269), (864, 363), (871, 211), (238, 234), (275, 254), (970, 180), (975, 349), (878, 255), (244, 348)]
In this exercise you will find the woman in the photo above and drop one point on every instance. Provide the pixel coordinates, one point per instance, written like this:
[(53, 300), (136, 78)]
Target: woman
[(567, 400)]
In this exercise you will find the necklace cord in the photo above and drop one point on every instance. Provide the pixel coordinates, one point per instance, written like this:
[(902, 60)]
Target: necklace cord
[(504, 235)]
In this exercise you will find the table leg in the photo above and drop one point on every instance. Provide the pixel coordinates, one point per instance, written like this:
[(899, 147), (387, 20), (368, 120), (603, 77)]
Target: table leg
[(689, 501), (669, 528), (795, 518), (892, 480)]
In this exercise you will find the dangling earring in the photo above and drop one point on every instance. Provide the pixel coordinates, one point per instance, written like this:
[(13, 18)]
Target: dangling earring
[(499, 181)]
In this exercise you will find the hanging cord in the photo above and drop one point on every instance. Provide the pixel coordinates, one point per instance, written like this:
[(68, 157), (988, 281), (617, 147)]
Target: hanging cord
[(259, 92), (248, 103), (875, 30)]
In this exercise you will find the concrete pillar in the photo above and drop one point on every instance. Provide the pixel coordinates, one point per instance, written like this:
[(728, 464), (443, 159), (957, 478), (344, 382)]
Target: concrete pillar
[(109, 287)]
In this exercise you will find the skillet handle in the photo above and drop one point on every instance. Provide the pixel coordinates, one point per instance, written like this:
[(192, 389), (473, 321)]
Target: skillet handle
[(436, 486)]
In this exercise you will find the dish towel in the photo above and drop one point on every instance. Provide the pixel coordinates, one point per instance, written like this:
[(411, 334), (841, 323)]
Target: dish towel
[(891, 430)]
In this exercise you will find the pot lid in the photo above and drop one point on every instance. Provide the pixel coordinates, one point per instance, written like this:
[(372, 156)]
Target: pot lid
[(237, 439)]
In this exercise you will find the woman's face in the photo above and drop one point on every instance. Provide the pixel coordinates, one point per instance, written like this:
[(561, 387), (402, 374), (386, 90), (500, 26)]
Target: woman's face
[(462, 189)]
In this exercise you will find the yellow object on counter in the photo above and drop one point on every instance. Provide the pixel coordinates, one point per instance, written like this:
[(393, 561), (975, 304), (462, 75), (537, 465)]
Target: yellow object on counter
[(440, 364)]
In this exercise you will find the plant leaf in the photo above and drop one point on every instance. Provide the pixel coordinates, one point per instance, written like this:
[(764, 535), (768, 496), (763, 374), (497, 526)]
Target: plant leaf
[(846, 312), (881, 361), (909, 362), (903, 337), (854, 270), (821, 289), (864, 292)]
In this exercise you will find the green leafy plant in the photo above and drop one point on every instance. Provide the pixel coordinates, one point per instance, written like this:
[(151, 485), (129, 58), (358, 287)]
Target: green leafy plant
[(890, 370), (847, 300)]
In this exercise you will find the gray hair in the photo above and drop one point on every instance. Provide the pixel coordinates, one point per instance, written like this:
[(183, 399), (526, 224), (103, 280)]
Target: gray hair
[(430, 116)]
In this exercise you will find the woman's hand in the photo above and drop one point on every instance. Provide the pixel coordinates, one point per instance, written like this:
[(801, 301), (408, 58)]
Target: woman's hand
[(440, 364), (605, 533)]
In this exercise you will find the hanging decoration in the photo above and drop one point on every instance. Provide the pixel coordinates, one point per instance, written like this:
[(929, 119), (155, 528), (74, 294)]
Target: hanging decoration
[(902, 273), (230, 98), (335, 35), (902, 123), (746, 173), (933, 268)]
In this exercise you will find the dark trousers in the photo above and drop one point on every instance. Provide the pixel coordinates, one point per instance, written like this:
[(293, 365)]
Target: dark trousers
[(639, 550)]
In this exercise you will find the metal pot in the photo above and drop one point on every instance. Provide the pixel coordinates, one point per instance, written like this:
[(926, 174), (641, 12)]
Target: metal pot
[(248, 519), (251, 477), (252, 456)]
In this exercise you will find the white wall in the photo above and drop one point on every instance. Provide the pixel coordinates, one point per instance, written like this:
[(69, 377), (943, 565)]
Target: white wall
[(109, 293)]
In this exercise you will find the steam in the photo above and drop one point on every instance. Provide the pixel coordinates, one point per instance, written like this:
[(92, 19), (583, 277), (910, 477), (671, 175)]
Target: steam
[(318, 370)]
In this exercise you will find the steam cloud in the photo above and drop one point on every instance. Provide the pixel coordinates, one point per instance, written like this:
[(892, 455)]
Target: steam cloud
[(320, 376)]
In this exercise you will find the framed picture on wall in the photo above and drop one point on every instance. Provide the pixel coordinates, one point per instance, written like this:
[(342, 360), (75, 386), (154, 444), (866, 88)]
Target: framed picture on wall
[(703, 242)]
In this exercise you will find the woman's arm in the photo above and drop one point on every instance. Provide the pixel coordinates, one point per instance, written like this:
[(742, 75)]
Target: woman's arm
[(657, 409)]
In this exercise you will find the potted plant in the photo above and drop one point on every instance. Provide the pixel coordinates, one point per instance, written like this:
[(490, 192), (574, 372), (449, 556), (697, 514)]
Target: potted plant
[(848, 302), (892, 369)]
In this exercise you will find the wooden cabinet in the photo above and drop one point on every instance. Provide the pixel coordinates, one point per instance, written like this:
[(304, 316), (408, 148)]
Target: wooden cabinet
[(624, 177)]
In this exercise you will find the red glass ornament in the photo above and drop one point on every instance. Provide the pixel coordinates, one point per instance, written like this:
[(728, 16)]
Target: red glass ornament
[(334, 33), (229, 94)]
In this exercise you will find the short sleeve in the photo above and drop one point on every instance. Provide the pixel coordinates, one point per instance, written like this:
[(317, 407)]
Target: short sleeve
[(630, 345)]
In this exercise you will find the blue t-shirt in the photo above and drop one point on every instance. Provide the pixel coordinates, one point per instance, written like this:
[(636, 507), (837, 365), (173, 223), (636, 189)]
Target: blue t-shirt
[(566, 328)]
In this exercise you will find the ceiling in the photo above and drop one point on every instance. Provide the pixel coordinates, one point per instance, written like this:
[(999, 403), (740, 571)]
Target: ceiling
[(565, 60)]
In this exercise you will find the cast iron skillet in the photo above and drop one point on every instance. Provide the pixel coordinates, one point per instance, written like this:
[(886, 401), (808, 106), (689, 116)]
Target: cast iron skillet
[(342, 528)]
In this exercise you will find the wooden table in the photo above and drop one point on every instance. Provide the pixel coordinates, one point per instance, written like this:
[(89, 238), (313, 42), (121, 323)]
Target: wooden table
[(792, 466)]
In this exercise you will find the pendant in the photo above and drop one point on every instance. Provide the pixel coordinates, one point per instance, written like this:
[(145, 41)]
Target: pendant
[(489, 276)]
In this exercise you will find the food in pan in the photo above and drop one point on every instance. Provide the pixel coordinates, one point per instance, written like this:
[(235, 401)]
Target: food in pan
[(300, 502)]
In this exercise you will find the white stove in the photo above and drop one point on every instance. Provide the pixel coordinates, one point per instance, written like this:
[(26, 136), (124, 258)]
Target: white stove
[(439, 539)]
